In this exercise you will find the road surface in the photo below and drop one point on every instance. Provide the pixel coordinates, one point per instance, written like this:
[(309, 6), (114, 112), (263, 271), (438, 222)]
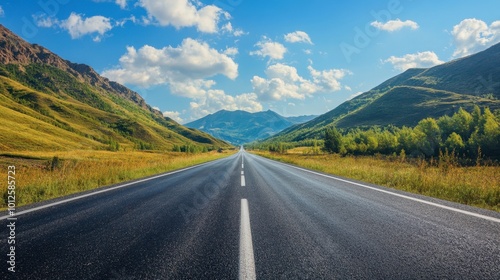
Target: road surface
[(246, 217)]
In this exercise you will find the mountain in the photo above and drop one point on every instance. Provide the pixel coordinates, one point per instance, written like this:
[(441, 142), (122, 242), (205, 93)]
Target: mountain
[(239, 127), (48, 103), (301, 119), (413, 95)]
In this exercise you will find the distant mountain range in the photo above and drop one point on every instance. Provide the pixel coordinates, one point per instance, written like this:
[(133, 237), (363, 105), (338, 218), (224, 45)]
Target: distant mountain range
[(240, 127), (416, 94), (48, 103)]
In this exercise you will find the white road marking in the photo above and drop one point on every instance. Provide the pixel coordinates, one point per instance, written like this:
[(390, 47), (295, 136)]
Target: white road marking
[(492, 219), (97, 192), (242, 166), (243, 181), (242, 172), (247, 262)]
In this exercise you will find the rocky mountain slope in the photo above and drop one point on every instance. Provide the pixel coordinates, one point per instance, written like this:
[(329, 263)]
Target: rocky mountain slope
[(48, 103)]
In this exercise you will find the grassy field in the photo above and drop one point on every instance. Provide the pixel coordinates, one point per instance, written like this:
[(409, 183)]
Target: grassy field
[(477, 186), (45, 175)]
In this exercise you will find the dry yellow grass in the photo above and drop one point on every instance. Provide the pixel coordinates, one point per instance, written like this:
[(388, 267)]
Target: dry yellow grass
[(78, 171), (477, 186)]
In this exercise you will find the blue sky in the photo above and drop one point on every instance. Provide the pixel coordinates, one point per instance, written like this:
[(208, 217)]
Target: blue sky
[(191, 58)]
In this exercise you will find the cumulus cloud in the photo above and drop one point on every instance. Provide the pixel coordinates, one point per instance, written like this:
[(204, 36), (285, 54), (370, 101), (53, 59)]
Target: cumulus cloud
[(395, 25), (78, 26), (231, 51), (174, 115), (186, 70), (283, 81), (228, 28), (183, 13), (418, 60), (192, 60), (328, 80), (473, 35), (298, 37), (215, 100), (268, 48), (121, 3), (207, 100)]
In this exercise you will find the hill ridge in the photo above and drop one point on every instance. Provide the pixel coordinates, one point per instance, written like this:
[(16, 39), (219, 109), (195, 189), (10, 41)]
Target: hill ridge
[(49, 93), (240, 127), (443, 89)]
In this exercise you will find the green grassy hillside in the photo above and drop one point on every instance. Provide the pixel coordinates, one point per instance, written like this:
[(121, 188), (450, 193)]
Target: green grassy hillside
[(45, 108), (408, 105), (413, 95)]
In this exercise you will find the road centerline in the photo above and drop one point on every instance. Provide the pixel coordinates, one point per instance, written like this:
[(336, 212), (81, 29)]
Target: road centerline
[(243, 183), (247, 261)]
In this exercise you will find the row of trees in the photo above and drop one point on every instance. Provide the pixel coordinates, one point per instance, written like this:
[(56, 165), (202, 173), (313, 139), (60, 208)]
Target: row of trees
[(190, 149), (466, 134)]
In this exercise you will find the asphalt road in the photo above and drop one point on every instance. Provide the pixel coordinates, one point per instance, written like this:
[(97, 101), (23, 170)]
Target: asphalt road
[(248, 217)]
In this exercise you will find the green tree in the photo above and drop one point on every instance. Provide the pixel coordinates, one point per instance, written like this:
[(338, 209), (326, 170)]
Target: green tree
[(463, 123), (430, 129), (486, 136), (454, 142), (333, 141)]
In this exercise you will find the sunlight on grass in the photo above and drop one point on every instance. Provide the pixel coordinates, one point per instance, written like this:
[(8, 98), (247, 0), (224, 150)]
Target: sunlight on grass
[(477, 186), (45, 175)]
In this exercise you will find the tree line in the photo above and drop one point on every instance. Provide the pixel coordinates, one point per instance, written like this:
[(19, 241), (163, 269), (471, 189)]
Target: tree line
[(467, 135)]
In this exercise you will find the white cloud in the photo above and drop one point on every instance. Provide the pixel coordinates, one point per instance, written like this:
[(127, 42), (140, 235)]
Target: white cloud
[(328, 80), (2, 12), (46, 22), (239, 32), (228, 28), (215, 100), (473, 35), (185, 69), (121, 3), (191, 61), (174, 115), (122, 22), (270, 49), (418, 60), (78, 26), (183, 13), (298, 37), (231, 51), (283, 81), (395, 25)]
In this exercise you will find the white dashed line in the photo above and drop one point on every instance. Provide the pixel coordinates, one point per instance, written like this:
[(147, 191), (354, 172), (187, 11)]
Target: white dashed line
[(247, 262)]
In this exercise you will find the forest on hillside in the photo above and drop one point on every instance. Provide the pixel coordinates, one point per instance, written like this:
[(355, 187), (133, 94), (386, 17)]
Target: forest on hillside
[(467, 137)]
